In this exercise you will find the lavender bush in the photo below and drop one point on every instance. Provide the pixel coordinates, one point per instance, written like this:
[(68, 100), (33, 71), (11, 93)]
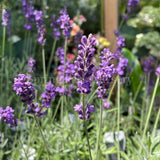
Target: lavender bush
[(64, 102)]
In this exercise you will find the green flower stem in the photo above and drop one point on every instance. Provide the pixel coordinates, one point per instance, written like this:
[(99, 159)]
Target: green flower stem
[(44, 141), (155, 124), (150, 108), (3, 47), (44, 66), (112, 87), (118, 118), (99, 131), (59, 102), (85, 125), (51, 56), (62, 105)]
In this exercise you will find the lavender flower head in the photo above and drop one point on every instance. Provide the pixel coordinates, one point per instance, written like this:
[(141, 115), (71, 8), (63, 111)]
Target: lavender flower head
[(55, 25), (24, 89), (5, 17), (64, 21), (122, 65), (149, 65), (41, 29), (133, 3), (8, 116), (104, 73), (31, 65), (48, 95), (106, 104), (83, 64), (79, 108), (28, 10), (158, 71), (34, 109)]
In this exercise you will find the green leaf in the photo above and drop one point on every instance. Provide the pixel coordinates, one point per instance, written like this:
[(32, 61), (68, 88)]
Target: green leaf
[(137, 70)]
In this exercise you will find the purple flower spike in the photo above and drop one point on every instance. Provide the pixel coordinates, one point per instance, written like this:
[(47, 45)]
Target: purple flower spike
[(24, 89), (5, 17), (158, 71), (31, 65), (122, 65), (106, 105), (55, 25), (64, 21), (28, 11), (8, 116), (78, 107), (89, 110), (149, 65), (41, 29), (133, 3), (84, 65), (105, 73), (48, 95)]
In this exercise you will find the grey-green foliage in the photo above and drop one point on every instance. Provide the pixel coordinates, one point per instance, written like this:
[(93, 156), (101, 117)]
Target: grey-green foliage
[(148, 17), (150, 40)]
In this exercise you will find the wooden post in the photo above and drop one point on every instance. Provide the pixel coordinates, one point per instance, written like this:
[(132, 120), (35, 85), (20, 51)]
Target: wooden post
[(111, 21)]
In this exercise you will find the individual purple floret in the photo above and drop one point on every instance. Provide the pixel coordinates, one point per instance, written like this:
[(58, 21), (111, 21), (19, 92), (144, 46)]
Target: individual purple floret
[(122, 65), (105, 73), (41, 29), (79, 108), (55, 25), (24, 89), (149, 65), (8, 116), (28, 11), (106, 104), (48, 95), (31, 65), (84, 65), (64, 21), (158, 71)]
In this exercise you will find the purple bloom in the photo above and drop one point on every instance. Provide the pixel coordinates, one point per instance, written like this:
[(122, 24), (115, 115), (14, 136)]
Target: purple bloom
[(106, 105), (40, 27), (64, 21), (79, 108), (105, 73), (28, 10), (31, 65), (60, 54), (48, 95), (24, 89), (34, 109), (8, 116), (133, 3), (83, 64), (122, 65), (158, 71), (149, 65), (55, 25), (5, 17), (150, 86)]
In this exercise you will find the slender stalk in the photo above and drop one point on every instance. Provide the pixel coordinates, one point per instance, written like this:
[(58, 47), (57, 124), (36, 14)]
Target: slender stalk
[(59, 102), (44, 66), (3, 47), (99, 131), (155, 124), (62, 105), (85, 125), (24, 149), (150, 108), (51, 57), (44, 141), (118, 118)]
